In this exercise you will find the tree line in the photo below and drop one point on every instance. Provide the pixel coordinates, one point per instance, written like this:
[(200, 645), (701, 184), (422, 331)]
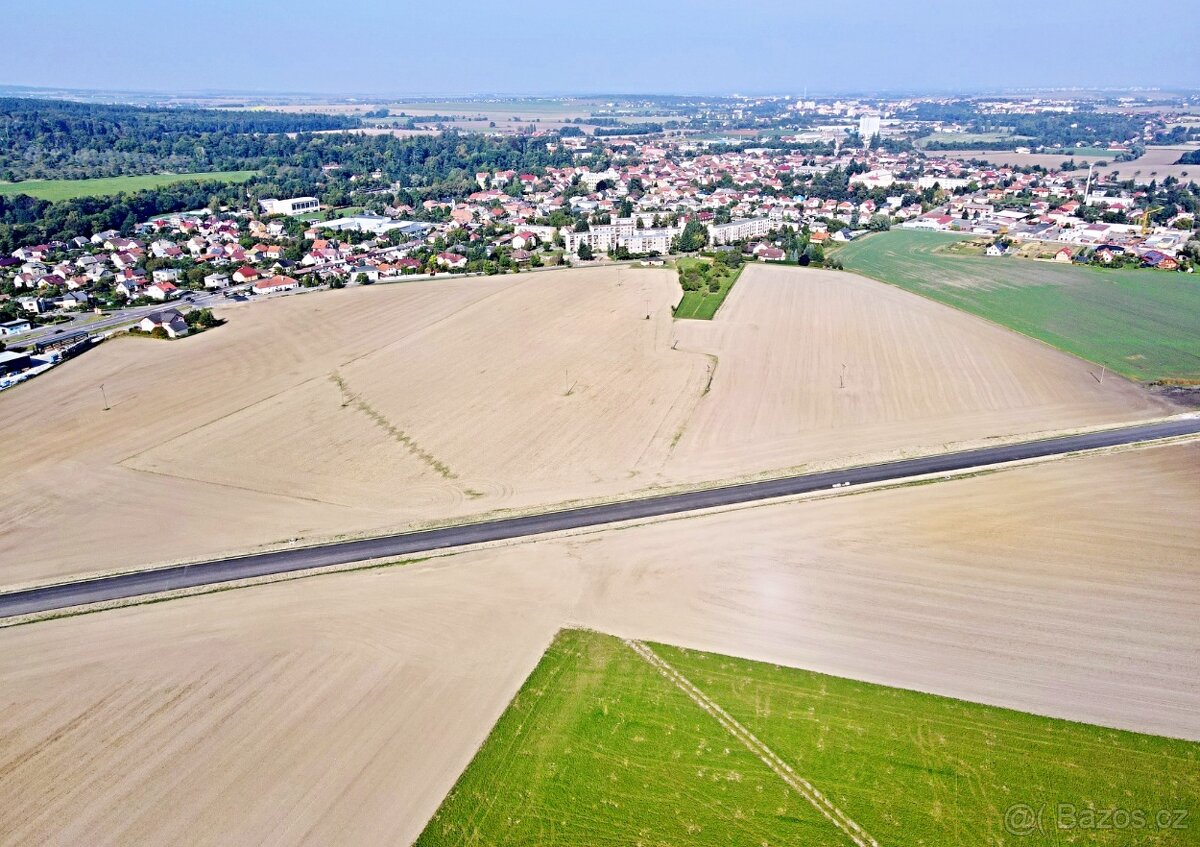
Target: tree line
[(61, 139)]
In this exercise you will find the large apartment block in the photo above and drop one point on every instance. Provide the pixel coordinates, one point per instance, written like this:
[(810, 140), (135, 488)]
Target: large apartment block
[(735, 231), (624, 232)]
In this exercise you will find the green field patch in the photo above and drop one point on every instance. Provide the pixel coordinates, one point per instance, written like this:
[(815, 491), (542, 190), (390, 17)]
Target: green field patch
[(67, 189), (914, 768), (343, 212), (600, 748), (1139, 323), (715, 281)]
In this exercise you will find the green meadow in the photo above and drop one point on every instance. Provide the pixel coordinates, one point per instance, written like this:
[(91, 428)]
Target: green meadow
[(599, 748), (67, 189), (1140, 323)]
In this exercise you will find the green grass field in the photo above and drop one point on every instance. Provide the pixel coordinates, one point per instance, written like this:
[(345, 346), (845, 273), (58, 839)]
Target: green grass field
[(599, 748), (66, 189), (1140, 323), (342, 212), (703, 304)]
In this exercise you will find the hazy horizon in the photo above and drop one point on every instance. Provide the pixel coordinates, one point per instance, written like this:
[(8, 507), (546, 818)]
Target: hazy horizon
[(545, 49)]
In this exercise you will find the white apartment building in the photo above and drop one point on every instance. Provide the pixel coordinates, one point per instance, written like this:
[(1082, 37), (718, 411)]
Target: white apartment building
[(624, 232), (868, 126), (735, 231)]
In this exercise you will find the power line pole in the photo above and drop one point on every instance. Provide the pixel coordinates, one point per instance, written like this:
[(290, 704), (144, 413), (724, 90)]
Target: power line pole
[(105, 396), (842, 378)]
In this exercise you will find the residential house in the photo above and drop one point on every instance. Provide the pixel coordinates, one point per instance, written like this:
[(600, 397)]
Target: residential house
[(162, 291), (451, 260), (275, 284), (246, 274), (169, 320)]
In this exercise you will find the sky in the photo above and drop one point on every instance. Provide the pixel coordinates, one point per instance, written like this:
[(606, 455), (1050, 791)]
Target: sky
[(399, 47)]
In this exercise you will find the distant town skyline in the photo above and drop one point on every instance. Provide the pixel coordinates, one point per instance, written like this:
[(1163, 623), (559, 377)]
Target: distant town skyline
[(381, 48)]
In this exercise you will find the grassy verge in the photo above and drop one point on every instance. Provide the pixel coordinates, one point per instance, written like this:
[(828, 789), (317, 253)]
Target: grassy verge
[(600, 748), (1140, 323), (703, 303), (66, 189)]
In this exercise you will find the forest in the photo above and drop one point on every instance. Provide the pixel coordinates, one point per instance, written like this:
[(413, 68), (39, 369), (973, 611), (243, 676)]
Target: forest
[(60, 139)]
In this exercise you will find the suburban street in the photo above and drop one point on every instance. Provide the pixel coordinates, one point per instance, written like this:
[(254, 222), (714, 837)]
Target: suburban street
[(112, 320), (120, 586)]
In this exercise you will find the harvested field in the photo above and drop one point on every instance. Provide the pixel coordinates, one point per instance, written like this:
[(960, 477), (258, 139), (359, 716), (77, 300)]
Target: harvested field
[(1156, 163), (383, 407), (326, 413), (344, 707), (916, 376)]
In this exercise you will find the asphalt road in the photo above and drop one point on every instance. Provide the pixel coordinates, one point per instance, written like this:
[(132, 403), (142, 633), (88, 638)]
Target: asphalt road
[(112, 320), (119, 586)]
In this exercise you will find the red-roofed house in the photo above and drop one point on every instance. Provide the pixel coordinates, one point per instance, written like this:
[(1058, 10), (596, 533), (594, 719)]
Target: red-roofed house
[(451, 260), (524, 240), (162, 291), (274, 284)]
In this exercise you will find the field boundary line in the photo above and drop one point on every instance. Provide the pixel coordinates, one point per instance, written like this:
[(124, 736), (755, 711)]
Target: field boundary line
[(768, 756)]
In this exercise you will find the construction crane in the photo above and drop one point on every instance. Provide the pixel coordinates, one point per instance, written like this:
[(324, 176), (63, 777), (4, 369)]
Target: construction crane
[(1146, 219)]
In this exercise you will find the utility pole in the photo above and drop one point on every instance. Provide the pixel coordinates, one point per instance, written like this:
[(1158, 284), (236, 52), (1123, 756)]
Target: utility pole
[(1103, 369), (105, 396), (842, 378)]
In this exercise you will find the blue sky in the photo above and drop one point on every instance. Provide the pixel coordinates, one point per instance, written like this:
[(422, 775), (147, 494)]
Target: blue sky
[(614, 46)]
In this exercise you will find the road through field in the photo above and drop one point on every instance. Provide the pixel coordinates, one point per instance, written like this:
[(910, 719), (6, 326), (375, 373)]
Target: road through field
[(138, 583)]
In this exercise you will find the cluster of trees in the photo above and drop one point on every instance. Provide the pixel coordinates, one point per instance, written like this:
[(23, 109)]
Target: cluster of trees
[(693, 238), (202, 319), (59, 139), (1177, 135), (697, 276), (1041, 129), (630, 129)]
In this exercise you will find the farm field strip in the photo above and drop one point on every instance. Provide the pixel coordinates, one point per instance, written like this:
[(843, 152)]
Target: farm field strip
[(1139, 323), (768, 757)]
